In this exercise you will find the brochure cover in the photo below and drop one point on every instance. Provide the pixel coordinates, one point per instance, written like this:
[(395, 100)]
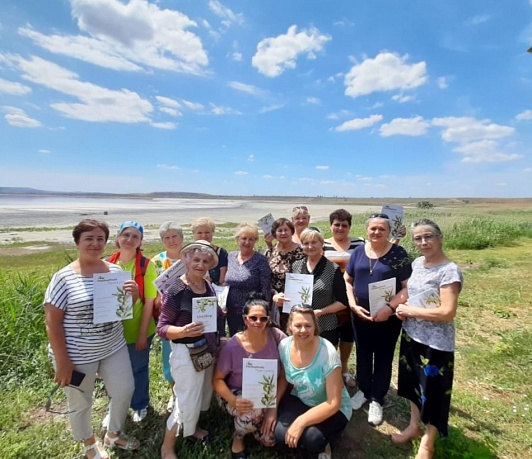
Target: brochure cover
[(111, 302), (259, 382), (266, 223), (298, 289), (429, 299), (205, 310), (380, 293), (164, 280), (395, 213)]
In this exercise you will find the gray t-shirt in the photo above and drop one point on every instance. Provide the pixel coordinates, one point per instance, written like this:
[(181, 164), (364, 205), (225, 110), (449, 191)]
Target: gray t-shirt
[(437, 335)]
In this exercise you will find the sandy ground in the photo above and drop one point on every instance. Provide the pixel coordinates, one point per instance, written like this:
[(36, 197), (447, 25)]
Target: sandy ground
[(18, 218)]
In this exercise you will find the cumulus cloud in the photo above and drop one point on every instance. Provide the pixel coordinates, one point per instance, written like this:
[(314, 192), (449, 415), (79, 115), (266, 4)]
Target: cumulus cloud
[(386, 72), (442, 83), (18, 118), (484, 151), (128, 37), (241, 173), (358, 123), (414, 127), (236, 56), (322, 168), (276, 54), (468, 129), (225, 13), (251, 158), (168, 102), (95, 103), (13, 88), (163, 125), (525, 115), (313, 101)]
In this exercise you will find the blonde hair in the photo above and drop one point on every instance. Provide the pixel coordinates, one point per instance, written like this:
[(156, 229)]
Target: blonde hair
[(245, 227), (201, 222), (311, 234)]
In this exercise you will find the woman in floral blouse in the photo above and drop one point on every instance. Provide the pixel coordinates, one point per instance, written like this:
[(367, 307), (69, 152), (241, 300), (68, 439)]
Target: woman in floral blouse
[(427, 343)]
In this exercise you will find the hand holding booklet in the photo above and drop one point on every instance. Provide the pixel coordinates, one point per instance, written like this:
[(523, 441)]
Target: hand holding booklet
[(111, 302), (380, 293), (165, 279), (298, 289), (205, 310), (428, 299)]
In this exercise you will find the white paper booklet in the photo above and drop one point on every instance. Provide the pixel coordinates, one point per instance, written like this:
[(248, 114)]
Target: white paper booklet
[(266, 223), (111, 302), (429, 299), (221, 294), (298, 289), (380, 293), (167, 278), (395, 213), (205, 310), (259, 382)]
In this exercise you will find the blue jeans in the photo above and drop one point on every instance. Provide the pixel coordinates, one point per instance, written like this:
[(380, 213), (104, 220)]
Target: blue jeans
[(140, 362), (166, 349)]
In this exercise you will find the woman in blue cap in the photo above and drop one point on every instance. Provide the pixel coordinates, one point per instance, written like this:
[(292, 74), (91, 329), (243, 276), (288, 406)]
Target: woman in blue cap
[(140, 329)]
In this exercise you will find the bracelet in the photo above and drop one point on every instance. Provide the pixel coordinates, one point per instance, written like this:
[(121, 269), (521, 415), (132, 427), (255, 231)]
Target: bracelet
[(390, 306)]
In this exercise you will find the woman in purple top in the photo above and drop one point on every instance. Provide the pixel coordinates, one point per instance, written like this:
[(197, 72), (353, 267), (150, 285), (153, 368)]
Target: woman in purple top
[(248, 271), (257, 341)]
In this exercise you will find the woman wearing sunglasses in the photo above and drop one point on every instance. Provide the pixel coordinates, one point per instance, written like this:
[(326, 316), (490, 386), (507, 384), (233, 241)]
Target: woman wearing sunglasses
[(427, 343), (317, 408), (258, 341), (376, 335)]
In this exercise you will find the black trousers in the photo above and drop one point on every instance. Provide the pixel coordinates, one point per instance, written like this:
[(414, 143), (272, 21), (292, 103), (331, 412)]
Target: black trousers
[(375, 346), (314, 438)]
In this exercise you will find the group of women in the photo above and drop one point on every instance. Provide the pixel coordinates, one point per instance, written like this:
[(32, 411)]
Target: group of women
[(313, 405)]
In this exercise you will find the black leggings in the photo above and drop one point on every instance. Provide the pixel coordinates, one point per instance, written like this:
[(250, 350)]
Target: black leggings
[(314, 438)]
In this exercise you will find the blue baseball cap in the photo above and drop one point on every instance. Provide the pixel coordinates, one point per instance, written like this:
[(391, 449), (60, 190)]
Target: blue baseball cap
[(131, 224)]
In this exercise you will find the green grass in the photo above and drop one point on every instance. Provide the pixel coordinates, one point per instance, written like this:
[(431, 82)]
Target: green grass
[(490, 414)]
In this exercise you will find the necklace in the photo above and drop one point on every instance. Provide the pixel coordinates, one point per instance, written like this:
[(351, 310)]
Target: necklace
[(198, 285), (371, 268)]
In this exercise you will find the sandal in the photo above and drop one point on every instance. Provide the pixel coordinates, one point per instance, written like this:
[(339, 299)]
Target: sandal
[(98, 453), (349, 380), (205, 440), (127, 444)]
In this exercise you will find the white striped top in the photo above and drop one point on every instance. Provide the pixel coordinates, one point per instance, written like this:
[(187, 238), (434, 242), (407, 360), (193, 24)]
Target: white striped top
[(86, 342)]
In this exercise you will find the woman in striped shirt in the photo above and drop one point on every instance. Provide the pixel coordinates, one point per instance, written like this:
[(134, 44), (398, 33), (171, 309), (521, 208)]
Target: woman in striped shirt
[(78, 344)]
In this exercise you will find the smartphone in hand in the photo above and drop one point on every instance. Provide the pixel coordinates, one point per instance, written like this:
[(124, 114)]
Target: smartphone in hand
[(77, 378)]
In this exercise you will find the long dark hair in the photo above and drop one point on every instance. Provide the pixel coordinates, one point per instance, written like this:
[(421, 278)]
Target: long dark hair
[(257, 299)]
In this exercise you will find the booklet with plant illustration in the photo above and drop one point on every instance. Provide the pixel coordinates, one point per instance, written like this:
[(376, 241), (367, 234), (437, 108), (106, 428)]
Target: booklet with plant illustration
[(428, 299), (297, 290), (205, 310), (395, 213), (167, 278), (259, 382), (266, 223), (111, 302), (380, 293)]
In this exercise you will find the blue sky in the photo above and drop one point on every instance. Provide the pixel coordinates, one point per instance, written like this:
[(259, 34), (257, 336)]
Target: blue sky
[(375, 98)]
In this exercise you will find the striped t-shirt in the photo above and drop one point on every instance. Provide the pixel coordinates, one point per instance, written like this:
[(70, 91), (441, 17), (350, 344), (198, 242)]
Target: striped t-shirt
[(86, 342)]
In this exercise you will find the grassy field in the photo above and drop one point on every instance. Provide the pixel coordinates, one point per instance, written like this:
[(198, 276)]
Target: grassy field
[(490, 415)]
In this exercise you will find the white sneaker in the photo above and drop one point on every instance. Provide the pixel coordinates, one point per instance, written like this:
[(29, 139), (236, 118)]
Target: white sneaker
[(105, 421), (170, 404), (358, 400), (327, 453), (375, 413), (140, 415)]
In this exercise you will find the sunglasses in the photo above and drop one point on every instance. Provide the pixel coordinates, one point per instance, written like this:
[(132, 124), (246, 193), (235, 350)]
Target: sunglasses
[(48, 406), (379, 216), (303, 208), (262, 319)]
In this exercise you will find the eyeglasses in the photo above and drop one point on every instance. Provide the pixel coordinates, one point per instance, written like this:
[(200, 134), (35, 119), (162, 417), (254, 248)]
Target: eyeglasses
[(48, 406), (379, 216), (303, 208), (262, 319), (427, 237), (341, 225)]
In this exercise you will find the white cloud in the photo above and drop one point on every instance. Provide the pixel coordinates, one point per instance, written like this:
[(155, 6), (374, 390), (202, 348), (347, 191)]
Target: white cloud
[(313, 101), (128, 36), (525, 115), (484, 151), (194, 106), (168, 102), (247, 88), (467, 129), (442, 83), (167, 167), (95, 104), (358, 123), (225, 13), (339, 114), (276, 54), (271, 108), (170, 111), (386, 72), (13, 88), (167, 125), (251, 158), (479, 19), (402, 98), (221, 110), (414, 127), (18, 118), (241, 173), (236, 56), (43, 151), (322, 168)]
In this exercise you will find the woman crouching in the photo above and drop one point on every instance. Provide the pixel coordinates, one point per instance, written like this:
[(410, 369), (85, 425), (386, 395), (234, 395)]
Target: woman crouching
[(317, 409)]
